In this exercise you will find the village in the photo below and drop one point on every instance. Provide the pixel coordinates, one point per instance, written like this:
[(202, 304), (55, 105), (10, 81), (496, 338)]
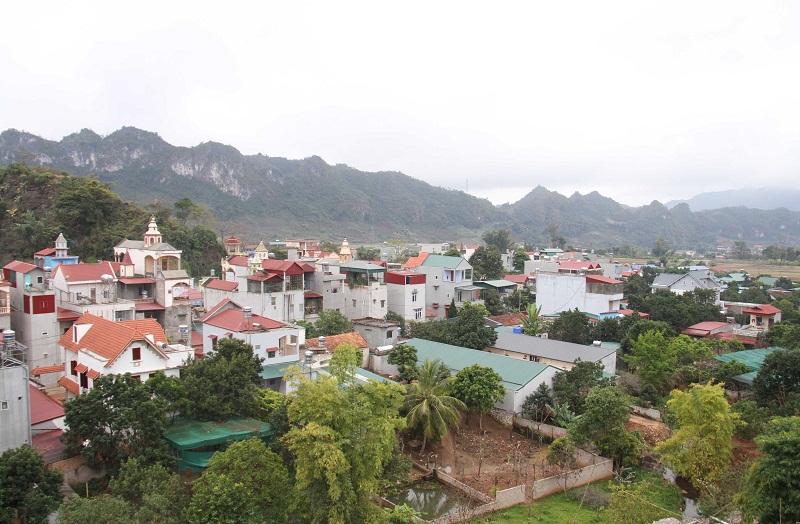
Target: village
[(502, 377)]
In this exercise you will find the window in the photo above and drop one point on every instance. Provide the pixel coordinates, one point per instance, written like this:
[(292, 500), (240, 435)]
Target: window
[(414, 295), (354, 302), (257, 347), (272, 300), (270, 354), (137, 353), (152, 375), (418, 313), (389, 334), (84, 380), (72, 366), (383, 303), (3, 405), (39, 280)]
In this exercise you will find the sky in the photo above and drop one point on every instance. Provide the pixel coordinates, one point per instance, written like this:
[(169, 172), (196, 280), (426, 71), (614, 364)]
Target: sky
[(638, 100)]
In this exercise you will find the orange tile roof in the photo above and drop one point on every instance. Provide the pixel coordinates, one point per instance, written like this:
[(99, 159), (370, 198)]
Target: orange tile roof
[(93, 374), (509, 319), (417, 260), (222, 285), (65, 315), (334, 341), (41, 370), (86, 272), (290, 267), (81, 368), (70, 385), (233, 320), (761, 309), (110, 339)]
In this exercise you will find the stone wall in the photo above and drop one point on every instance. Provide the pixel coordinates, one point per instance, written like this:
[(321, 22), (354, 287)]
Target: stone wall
[(548, 431)]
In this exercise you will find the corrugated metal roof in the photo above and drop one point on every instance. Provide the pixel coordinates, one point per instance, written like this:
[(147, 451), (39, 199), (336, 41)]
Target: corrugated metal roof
[(494, 283), (445, 262), (548, 348), (751, 357), (515, 372)]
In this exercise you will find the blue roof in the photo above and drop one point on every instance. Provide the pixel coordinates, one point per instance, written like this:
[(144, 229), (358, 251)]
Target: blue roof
[(514, 372)]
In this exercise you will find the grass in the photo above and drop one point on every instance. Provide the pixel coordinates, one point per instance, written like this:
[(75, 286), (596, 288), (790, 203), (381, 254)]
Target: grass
[(566, 508)]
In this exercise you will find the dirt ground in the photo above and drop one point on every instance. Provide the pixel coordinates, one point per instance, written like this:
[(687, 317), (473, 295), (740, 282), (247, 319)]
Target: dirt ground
[(495, 457), (652, 431)]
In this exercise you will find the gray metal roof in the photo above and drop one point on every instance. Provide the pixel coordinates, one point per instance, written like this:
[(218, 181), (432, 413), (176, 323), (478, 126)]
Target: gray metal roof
[(547, 348)]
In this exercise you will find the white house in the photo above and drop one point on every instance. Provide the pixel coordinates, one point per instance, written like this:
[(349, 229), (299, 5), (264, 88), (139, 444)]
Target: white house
[(680, 284), (406, 294), (95, 346), (557, 292), (447, 279)]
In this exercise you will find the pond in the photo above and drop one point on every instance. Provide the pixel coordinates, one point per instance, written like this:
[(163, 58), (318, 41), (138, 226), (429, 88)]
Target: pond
[(431, 499)]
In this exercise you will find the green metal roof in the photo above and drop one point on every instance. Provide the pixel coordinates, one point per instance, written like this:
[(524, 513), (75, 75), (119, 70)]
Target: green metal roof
[(191, 434), (276, 370), (468, 287), (433, 260), (494, 284), (515, 372), (361, 266), (751, 357)]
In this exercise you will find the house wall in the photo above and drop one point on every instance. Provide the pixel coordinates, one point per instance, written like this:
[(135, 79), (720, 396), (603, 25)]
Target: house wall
[(287, 307), (556, 293), (261, 341), (545, 377), (365, 301), (400, 300), (15, 420)]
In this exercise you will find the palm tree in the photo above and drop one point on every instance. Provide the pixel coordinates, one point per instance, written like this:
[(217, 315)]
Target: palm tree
[(428, 401), (532, 324)]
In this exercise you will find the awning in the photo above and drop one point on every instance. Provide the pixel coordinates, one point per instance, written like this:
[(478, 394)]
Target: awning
[(47, 369), (149, 306), (311, 294), (81, 368), (274, 371), (70, 385), (134, 281), (66, 315), (468, 288)]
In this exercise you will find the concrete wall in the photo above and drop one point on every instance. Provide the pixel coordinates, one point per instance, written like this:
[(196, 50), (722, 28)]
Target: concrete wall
[(601, 470), (546, 430), (15, 419)]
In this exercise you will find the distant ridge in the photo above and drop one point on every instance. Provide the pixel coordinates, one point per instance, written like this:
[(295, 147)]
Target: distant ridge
[(754, 198), (264, 197)]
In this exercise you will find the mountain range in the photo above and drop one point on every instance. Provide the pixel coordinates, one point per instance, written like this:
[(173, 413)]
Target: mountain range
[(262, 197), (753, 197)]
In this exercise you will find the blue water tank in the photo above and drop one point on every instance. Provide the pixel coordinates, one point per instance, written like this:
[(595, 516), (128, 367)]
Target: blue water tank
[(518, 329)]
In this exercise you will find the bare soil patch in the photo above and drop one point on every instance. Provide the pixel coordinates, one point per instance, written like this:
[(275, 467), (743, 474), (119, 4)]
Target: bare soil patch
[(652, 431), (488, 458)]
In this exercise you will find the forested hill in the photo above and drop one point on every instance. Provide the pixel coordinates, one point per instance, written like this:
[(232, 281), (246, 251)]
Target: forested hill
[(263, 197), (36, 204)]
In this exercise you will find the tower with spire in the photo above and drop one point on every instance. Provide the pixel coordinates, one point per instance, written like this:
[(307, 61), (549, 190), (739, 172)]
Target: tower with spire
[(152, 235), (345, 255)]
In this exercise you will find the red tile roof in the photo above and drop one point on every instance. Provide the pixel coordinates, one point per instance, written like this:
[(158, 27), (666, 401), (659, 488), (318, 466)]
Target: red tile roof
[(602, 280), (66, 315), (50, 251), (41, 370), (43, 408), (70, 385), (238, 261), (761, 309), (197, 339), (20, 267), (233, 320), (126, 258), (311, 294), (222, 285), (81, 368), (93, 374), (334, 341), (137, 280), (86, 272), (510, 319), (517, 279), (265, 277), (110, 339), (290, 267)]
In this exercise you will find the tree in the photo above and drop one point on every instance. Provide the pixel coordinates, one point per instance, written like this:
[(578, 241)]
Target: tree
[(635, 503), (603, 424), (572, 326), (431, 408), (771, 491), (103, 509), (553, 233), (486, 263), (479, 388), (470, 330), (660, 249), (499, 239), (700, 450), (452, 252), (405, 358), (396, 317), (643, 326), (29, 490), (342, 439), (571, 387), (784, 335), (563, 453), (344, 362), (452, 311), (331, 322), (535, 405), (220, 388), (520, 257), (740, 250), (653, 358), (367, 253), (154, 493), (245, 483), (532, 323), (778, 378), (118, 418), (435, 330)]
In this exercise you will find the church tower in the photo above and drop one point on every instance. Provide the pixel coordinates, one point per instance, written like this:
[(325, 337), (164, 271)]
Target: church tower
[(153, 236)]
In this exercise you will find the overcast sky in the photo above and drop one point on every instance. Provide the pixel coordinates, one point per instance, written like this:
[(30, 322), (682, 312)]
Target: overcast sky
[(638, 100)]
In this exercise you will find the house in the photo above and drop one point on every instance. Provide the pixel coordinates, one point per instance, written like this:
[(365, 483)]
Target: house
[(594, 294), (15, 408), (95, 346), (708, 329), (377, 332), (507, 320), (556, 353), (272, 340), (520, 378), (322, 345), (680, 284), (579, 267), (327, 284), (31, 304), (405, 292), (92, 288), (434, 247), (53, 256), (763, 316), (502, 286), (276, 291), (47, 425), (365, 294), (446, 279)]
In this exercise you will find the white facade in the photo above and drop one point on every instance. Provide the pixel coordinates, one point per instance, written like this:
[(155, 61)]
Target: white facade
[(557, 292), (407, 300), (366, 300), (15, 407), (287, 341)]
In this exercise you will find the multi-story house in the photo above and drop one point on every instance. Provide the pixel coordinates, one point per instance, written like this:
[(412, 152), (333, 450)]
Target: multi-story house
[(595, 294), (447, 278), (92, 288), (406, 294), (277, 343), (95, 346), (31, 303), (365, 294), (680, 284), (327, 287), (15, 406), (277, 291), (53, 256)]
